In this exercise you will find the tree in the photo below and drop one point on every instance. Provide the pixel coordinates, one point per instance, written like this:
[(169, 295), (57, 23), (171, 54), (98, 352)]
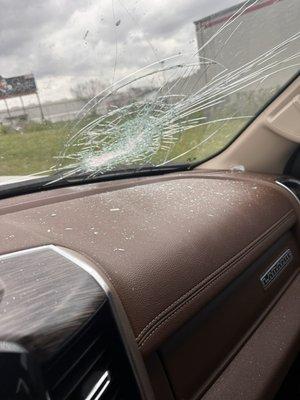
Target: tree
[(88, 90), (93, 87)]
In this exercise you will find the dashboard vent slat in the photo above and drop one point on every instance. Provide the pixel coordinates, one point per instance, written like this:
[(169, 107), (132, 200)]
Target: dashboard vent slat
[(78, 362), (93, 365)]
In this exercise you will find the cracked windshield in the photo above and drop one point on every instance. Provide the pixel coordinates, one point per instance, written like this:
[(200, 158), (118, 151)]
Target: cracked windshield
[(90, 87)]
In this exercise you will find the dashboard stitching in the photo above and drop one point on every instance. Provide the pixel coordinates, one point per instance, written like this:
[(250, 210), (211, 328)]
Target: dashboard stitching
[(208, 281)]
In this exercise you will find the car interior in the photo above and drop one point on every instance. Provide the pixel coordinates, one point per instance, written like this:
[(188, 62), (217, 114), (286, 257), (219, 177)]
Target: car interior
[(150, 200), (178, 285)]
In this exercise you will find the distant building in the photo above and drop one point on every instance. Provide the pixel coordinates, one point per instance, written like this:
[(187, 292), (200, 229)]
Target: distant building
[(63, 110), (66, 110), (263, 25)]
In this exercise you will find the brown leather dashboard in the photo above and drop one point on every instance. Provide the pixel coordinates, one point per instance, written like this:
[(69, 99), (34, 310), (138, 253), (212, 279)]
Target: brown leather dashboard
[(168, 245)]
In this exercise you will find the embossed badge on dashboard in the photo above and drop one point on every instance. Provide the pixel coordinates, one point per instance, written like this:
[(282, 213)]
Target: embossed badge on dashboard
[(272, 273)]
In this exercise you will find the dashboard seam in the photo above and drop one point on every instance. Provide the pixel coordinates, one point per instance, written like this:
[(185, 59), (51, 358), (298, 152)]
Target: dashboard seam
[(206, 282)]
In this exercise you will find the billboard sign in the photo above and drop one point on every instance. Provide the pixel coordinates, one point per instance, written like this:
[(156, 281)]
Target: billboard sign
[(17, 86)]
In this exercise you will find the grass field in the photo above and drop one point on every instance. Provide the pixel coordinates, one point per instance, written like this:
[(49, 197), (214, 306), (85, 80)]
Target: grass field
[(30, 152), (37, 148)]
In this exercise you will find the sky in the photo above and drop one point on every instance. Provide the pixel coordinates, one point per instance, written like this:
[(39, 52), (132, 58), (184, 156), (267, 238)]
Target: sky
[(65, 42)]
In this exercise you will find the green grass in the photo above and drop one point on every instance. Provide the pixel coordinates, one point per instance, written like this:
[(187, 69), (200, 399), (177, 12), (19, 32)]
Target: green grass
[(30, 152), (37, 148), (199, 143)]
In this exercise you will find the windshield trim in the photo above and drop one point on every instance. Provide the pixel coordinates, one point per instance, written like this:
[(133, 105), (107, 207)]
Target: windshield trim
[(57, 181)]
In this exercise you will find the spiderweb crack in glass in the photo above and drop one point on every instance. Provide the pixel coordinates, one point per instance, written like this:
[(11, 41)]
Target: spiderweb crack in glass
[(146, 131)]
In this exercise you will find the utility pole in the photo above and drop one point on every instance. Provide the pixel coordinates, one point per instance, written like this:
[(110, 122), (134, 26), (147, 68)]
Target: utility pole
[(40, 104), (23, 107), (7, 109)]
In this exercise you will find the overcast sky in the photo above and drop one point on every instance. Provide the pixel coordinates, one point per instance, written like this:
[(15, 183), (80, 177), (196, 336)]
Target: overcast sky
[(63, 42)]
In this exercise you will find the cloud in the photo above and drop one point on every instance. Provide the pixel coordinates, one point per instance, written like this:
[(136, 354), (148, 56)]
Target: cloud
[(66, 41)]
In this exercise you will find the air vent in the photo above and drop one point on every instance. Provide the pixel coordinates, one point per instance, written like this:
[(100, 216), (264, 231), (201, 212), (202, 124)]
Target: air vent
[(93, 365)]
